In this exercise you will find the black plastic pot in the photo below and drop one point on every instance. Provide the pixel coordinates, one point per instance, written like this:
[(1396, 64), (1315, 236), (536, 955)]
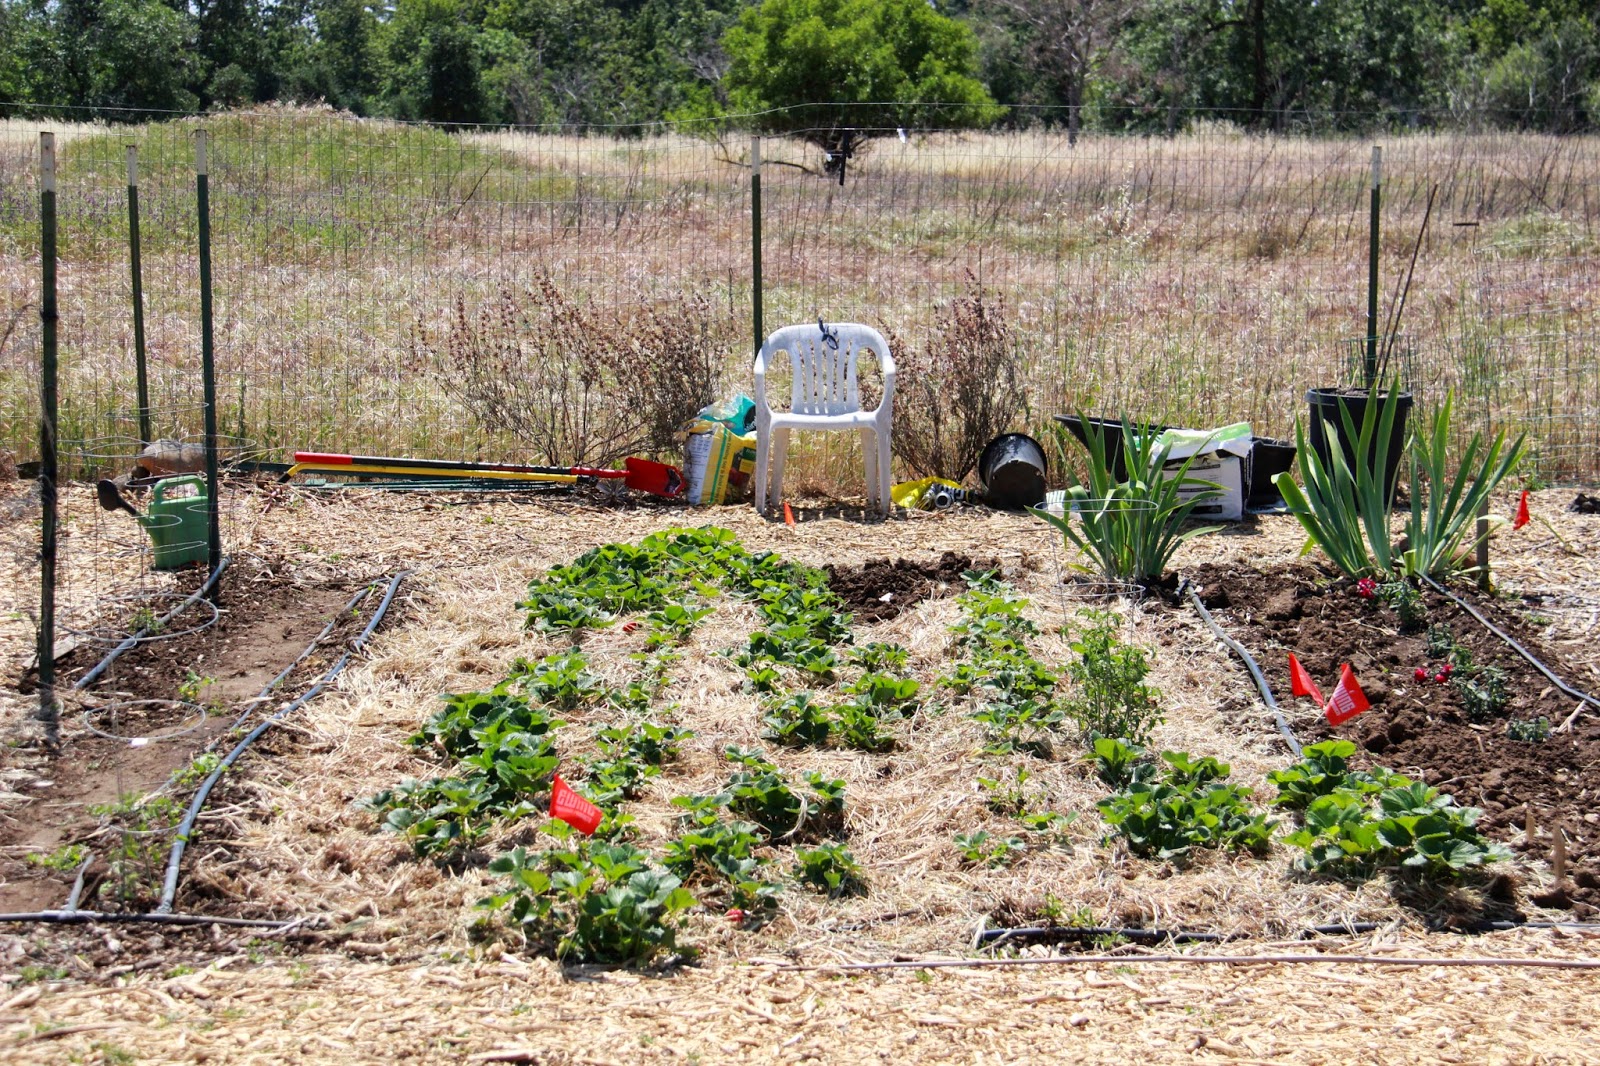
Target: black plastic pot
[(1267, 457), (1110, 433), (1012, 469), (1324, 411)]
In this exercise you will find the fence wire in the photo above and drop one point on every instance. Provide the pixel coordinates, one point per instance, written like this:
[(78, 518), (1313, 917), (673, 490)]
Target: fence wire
[(376, 282)]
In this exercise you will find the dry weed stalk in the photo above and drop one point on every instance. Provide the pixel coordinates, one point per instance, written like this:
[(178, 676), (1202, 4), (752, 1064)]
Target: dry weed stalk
[(961, 389), (576, 384)]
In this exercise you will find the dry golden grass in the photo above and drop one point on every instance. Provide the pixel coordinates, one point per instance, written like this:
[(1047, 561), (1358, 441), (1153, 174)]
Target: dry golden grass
[(1201, 279)]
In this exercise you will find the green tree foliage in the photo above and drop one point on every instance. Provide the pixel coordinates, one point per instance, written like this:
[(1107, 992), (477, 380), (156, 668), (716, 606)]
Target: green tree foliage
[(839, 71)]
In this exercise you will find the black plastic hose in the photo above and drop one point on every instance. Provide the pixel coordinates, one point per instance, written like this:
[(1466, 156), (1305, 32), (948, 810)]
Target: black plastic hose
[(170, 887), (130, 642), (71, 917), (1187, 936), (1518, 648), (1250, 664)]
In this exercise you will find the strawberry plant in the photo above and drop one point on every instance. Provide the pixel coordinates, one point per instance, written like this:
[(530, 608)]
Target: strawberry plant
[(561, 681), (1120, 764), (797, 721), (830, 868), (1415, 828), (879, 656), (590, 902), (1483, 693), (709, 850), (1324, 769), (453, 730), (760, 793), (856, 726), (1189, 806), (1529, 730), (979, 848)]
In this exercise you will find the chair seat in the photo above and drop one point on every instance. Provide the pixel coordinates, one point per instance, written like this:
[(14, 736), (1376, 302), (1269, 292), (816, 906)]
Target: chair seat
[(847, 420), (825, 396)]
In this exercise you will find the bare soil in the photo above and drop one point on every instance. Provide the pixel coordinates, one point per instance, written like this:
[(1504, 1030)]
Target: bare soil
[(151, 695), (881, 589), (1420, 727)]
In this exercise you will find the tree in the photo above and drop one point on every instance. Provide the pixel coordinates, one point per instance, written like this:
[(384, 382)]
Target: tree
[(1066, 38), (839, 72)]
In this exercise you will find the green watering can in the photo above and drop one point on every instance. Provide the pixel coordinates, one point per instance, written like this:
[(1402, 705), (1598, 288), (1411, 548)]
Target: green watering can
[(177, 522)]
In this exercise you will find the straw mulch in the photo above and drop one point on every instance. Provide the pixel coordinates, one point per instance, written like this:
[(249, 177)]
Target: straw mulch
[(287, 840), (331, 1009)]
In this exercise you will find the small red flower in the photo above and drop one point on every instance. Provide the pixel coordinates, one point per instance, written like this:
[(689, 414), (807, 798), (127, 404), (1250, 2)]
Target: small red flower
[(1420, 674), (1366, 588)]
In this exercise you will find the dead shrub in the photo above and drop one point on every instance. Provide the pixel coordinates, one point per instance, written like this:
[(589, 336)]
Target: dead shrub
[(574, 384), (959, 391)]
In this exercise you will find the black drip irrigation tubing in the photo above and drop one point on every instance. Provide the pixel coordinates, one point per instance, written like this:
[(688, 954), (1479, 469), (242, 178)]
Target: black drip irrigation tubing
[(132, 641), (72, 917), (170, 886), (1518, 648), (995, 937), (1250, 664), (261, 697)]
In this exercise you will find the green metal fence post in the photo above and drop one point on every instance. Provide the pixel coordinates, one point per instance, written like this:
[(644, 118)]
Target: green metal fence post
[(49, 713), (755, 237), (1372, 270), (138, 294), (208, 368)]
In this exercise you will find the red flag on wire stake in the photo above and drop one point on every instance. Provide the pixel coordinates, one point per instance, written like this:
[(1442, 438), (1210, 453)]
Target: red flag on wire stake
[(1523, 518), (1347, 700), (573, 809), (1300, 682)]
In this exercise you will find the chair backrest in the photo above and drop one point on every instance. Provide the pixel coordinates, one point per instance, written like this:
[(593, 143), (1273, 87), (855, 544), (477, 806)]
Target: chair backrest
[(824, 365)]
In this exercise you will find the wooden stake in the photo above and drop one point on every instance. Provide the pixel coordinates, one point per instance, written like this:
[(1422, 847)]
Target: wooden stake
[(1529, 826), (1558, 853)]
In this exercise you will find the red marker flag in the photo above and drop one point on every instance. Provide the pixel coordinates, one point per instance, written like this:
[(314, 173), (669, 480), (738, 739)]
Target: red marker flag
[(1300, 682), (1347, 700), (573, 809), (1523, 518)]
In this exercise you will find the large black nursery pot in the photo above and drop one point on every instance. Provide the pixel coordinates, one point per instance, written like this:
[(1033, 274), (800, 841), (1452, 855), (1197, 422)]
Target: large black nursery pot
[(1012, 469), (1325, 404)]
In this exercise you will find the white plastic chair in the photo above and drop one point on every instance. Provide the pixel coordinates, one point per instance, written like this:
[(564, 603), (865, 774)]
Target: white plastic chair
[(825, 397)]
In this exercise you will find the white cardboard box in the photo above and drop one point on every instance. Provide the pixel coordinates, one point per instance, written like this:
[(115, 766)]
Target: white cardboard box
[(1226, 472)]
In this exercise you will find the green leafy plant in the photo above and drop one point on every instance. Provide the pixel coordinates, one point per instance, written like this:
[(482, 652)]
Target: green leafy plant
[(711, 851), (1006, 797), (193, 686), (1189, 806), (878, 656), (561, 681), (66, 858), (141, 832), (831, 869), (1409, 608), (1483, 693), (591, 902), (1344, 509), (797, 720), (1324, 769), (1415, 828), (1529, 730), (1441, 518), (1120, 764), (1110, 698), (761, 794), (856, 725), (979, 848), (1131, 528)]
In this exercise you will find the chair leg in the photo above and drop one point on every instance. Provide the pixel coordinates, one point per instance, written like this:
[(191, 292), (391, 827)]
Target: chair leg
[(869, 455), (780, 452), (762, 437), (885, 480)]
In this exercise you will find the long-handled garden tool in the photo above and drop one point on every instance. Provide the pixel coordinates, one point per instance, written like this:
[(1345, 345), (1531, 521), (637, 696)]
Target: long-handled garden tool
[(658, 479)]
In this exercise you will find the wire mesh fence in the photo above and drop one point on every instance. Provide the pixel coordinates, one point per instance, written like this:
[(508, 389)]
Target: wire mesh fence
[(537, 295)]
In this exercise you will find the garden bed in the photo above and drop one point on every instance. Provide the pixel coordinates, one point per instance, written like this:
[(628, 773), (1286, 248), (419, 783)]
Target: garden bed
[(1422, 727), (155, 709)]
